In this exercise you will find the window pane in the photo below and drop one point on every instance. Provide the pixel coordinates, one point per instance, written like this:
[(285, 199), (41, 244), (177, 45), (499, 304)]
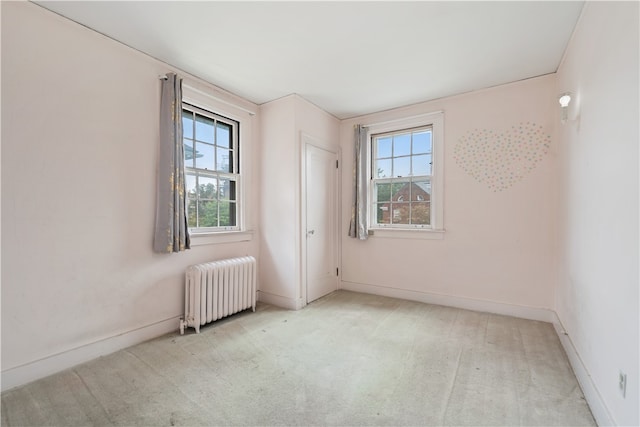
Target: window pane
[(402, 145), (403, 197), (191, 214), (382, 168), (421, 213), (204, 129), (227, 214), (204, 156), (384, 147), (223, 135), (210, 149), (383, 192), (208, 213), (422, 164), (190, 184), (207, 187), (401, 166), (400, 213), (421, 191), (223, 160), (187, 124), (227, 189), (422, 142), (382, 213), (188, 152), (400, 191)]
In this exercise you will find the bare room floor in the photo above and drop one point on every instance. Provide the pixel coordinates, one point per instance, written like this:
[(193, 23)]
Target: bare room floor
[(346, 359)]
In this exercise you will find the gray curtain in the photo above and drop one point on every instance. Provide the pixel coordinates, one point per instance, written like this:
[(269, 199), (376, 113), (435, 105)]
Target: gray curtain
[(171, 232), (358, 226)]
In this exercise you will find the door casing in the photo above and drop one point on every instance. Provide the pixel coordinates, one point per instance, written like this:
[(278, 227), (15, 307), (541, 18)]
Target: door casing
[(306, 141)]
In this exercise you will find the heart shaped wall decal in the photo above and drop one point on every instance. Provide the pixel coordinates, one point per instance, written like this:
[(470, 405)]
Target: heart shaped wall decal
[(500, 159)]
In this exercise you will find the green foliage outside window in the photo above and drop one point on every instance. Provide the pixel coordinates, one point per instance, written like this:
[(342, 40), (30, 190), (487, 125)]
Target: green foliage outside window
[(209, 209)]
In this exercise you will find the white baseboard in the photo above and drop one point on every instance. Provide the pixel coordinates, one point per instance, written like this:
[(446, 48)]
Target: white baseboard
[(23, 374), (524, 312), (280, 301), (589, 389)]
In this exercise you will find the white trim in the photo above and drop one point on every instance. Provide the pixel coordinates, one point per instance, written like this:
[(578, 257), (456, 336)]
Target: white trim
[(436, 121), (205, 98), (390, 233), (214, 94), (402, 122), (200, 239), (307, 141), (524, 312), (594, 399), (23, 374), (280, 301)]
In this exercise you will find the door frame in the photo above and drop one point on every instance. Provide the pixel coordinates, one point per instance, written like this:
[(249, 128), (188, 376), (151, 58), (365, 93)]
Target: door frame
[(305, 141)]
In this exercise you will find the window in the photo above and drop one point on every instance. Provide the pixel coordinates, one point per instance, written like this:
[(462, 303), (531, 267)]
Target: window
[(402, 177), (211, 170), (406, 174)]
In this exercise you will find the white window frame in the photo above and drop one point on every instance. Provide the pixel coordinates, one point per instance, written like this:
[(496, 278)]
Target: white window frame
[(234, 175), (435, 230), (222, 104)]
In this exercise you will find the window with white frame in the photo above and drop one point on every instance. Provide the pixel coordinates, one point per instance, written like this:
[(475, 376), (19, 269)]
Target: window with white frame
[(406, 174), (211, 170)]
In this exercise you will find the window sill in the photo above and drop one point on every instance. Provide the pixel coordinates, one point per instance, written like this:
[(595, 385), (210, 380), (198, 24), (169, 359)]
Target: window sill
[(388, 233), (200, 239)]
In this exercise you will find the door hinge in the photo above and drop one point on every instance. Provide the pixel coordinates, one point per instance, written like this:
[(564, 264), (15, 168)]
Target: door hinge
[(336, 164), (337, 272)]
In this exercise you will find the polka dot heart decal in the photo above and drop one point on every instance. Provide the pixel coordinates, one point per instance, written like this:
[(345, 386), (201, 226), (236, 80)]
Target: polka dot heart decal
[(500, 159)]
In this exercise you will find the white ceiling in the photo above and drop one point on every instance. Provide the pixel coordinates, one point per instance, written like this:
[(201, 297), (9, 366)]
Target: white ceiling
[(349, 58)]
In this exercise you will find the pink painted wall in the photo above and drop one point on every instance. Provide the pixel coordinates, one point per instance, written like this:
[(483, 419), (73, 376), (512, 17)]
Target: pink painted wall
[(499, 244), (282, 123), (79, 149), (597, 296)]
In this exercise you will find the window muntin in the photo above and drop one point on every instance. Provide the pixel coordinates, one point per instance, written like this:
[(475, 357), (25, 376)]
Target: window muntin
[(211, 170), (402, 178)]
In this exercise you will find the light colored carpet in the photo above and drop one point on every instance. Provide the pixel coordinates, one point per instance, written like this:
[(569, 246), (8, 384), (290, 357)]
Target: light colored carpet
[(346, 359)]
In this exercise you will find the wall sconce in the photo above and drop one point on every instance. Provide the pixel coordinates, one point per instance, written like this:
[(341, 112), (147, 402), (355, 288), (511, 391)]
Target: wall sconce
[(564, 101)]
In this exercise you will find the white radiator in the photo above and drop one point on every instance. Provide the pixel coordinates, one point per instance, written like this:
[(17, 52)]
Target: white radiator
[(217, 289)]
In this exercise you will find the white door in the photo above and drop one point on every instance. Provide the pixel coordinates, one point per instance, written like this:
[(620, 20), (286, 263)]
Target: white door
[(321, 222)]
